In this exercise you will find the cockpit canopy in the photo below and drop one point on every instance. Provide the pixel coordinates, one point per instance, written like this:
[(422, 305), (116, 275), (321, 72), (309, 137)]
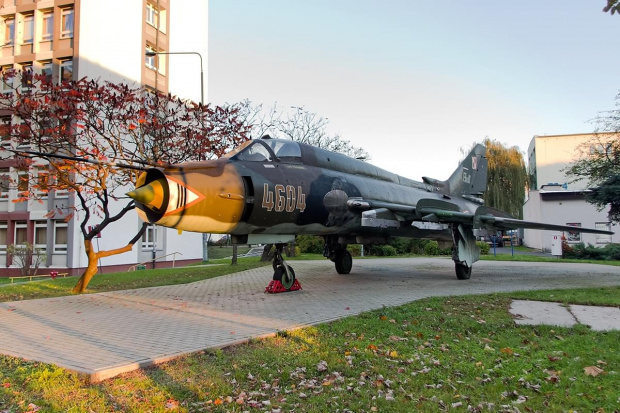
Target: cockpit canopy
[(267, 150)]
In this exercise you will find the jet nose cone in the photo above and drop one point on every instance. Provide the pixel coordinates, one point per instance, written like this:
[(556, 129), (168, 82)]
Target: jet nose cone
[(151, 195)]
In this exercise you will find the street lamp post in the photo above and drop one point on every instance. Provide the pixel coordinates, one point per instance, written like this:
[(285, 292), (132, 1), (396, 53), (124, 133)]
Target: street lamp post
[(205, 237)]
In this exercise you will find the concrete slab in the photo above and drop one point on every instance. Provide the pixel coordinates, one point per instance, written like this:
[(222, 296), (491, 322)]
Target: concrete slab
[(541, 312), (598, 318), (106, 334)]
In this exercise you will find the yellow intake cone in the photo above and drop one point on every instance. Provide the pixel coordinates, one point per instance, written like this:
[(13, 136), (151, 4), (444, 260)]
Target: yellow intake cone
[(151, 195)]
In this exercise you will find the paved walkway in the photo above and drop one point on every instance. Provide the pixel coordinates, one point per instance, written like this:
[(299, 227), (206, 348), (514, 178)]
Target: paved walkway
[(106, 334)]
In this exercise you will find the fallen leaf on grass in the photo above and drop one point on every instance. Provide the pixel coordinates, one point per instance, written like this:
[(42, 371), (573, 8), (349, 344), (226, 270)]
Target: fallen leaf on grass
[(33, 408), (593, 371), (396, 338), (507, 350)]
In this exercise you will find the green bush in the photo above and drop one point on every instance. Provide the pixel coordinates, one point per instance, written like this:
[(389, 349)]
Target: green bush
[(484, 247), (582, 252), (310, 244), (446, 251), (612, 251), (382, 251), (355, 250), (431, 248), (402, 245), (416, 246), (388, 251)]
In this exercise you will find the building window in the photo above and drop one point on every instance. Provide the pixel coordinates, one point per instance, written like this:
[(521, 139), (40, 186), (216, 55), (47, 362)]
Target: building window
[(41, 181), (40, 235), (66, 23), (603, 238), (5, 182), (150, 60), (152, 15), (8, 74), (22, 184), (9, 30), (573, 237), (5, 131), (62, 181), (21, 233), (60, 237), (47, 25), (149, 238), (47, 71), (26, 75), (28, 34), (3, 235), (66, 71)]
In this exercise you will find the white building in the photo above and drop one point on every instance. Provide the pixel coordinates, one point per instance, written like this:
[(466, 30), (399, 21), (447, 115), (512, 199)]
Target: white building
[(554, 198), (72, 39)]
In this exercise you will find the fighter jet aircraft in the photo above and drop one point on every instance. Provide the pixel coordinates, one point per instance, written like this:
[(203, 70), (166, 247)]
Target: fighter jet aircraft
[(270, 190)]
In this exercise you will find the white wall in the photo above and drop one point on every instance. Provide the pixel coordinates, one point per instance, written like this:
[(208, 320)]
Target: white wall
[(110, 40), (562, 212), (118, 55), (554, 153)]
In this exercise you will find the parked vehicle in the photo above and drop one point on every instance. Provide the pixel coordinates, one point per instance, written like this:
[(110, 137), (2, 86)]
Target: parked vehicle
[(494, 241)]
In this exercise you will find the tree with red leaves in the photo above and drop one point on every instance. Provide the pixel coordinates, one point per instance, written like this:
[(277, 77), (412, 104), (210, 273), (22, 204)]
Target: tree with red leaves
[(104, 133)]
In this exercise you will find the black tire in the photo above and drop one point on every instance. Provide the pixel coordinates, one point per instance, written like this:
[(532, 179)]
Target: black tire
[(343, 262), (463, 272), (280, 275)]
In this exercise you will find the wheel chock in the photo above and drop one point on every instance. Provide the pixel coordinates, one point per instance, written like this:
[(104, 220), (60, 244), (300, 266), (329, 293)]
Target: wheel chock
[(275, 287)]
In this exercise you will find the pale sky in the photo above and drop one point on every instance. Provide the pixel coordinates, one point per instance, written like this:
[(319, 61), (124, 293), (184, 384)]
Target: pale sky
[(415, 81)]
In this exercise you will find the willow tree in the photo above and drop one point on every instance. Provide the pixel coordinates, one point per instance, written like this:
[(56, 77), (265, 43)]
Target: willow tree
[(105, 134), (507, 178)]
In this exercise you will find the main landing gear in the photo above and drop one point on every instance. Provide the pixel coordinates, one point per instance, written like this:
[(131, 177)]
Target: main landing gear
[(338, 254), (283, 274), (465, 251)]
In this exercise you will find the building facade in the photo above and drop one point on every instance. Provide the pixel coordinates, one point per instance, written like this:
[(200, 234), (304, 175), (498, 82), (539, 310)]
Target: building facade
[(73, 39), (557, 199)]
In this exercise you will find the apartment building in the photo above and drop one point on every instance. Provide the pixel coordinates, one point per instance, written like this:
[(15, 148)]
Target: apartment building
[(107, 40), (557, 199)]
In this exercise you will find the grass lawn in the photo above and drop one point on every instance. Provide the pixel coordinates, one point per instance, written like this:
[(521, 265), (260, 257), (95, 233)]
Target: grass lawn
[(126, 280), (455, 353), (449, 353)]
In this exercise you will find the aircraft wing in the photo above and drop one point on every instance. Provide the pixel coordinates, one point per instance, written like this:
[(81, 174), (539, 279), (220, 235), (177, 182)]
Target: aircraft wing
[(496, 219), (511, 223), (445, 212)]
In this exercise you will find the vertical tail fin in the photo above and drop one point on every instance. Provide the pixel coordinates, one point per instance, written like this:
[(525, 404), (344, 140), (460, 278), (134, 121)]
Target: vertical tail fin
[(470, 178)]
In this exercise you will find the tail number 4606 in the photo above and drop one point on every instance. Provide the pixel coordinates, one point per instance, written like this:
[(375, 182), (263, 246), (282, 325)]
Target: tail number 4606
[(284, 198)]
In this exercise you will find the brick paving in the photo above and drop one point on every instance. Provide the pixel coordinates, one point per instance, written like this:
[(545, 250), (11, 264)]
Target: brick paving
[(106, 334)]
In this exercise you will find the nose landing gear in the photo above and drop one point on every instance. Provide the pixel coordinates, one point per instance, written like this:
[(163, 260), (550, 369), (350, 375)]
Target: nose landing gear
[(283, 275)]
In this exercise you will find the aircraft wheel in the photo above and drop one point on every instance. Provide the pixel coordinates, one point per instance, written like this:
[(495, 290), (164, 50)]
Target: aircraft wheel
[(287, 279), (463, 272), (344, 262)]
